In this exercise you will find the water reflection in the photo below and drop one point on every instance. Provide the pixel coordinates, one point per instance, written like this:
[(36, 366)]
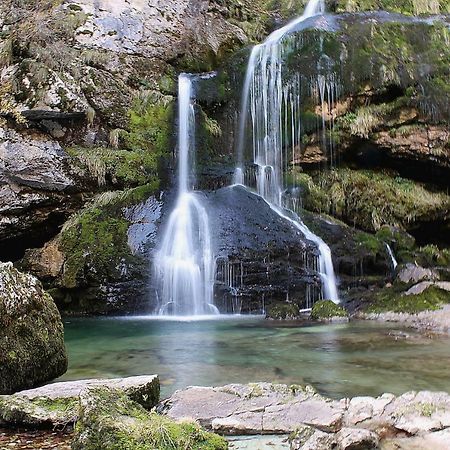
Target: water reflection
[(339, 360)]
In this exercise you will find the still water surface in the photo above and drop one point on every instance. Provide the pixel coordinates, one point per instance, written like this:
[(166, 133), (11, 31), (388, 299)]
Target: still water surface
[(359, 358)]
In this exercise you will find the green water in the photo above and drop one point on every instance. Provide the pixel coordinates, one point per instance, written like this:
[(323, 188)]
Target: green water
[(359, 358)]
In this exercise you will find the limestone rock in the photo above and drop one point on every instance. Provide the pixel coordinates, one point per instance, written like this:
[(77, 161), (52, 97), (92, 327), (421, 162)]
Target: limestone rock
[(430, 441), (318, 441), (33, 161), (420, 287), (260, 408), (32, 347), (57, 403), (411, 273), (357, 439)]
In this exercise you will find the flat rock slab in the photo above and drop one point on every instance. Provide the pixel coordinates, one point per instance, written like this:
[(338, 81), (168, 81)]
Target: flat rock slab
[(315, 422), (57, 403), (260, 408), (267, 442)]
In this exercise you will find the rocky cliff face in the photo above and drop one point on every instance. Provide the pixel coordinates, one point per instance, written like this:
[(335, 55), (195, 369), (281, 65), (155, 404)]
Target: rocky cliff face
[(87, 107)]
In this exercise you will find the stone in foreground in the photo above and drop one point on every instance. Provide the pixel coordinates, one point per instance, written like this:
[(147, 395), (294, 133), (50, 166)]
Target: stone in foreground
[(259, 408), (32, 347), (315, 422), (110, 420), (57, 404)]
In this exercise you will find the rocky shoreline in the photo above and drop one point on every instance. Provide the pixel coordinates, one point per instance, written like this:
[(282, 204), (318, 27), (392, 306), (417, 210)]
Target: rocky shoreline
[(251, 416), (434, 321)]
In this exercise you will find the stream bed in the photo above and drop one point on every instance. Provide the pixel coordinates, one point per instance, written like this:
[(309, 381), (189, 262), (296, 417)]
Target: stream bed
[(339, 360)]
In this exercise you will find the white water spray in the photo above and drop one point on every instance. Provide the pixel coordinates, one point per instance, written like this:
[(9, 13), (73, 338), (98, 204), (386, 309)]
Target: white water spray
[(184, 265), (266, 97)]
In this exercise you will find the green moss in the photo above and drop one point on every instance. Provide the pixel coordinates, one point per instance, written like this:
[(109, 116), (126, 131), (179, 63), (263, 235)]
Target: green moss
[(391, 299), (283, 311), (150, 127), (370, 199), (112, 421), (326, 309), (67, 406), (123, 167), (95, 240)]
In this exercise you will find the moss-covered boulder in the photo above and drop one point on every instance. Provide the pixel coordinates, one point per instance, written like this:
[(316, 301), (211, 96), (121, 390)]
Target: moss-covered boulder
[(111, 421), (32, 347), (283, 311), (327, 310)]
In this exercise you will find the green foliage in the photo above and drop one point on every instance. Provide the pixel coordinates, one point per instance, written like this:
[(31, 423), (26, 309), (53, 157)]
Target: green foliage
[(370, 199), (393, 299), (326, 309), (123, 167), (112, 421), (410, 7), (8, 106), (150, 127)]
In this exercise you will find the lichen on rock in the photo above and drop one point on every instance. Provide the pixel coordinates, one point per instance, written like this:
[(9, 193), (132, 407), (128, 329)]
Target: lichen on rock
[(32, 347)]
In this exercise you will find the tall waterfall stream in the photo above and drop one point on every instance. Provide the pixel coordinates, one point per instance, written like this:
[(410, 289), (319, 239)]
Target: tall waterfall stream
[(185, 265)]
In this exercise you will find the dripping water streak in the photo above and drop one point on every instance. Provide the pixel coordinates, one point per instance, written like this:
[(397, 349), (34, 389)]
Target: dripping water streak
[(391, 256)]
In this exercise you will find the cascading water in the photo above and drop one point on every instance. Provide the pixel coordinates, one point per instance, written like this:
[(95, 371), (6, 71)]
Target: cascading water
[(391, 256), (266, 97), (184, 265)]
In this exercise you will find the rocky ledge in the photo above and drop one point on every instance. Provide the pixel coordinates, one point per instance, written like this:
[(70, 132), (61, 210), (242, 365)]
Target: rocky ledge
[(58, 403), (313, 421)]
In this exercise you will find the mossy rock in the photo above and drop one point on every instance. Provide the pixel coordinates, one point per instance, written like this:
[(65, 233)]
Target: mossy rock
[(393, 299), (370, 199), (327, 309), (283, 311), (111, 421), (32, 347), (56, 405)]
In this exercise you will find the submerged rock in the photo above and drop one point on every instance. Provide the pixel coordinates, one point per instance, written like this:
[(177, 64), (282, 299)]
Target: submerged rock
[(110, 420), (32, 347), (57, 403)]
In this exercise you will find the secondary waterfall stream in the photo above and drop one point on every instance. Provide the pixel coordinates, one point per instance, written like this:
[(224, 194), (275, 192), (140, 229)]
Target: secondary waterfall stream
[(266, 98), (184, 265)]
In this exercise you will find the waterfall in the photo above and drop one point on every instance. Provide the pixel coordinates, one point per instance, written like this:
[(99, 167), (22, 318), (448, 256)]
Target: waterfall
[(184, 265), (266, 97), (391, 256)]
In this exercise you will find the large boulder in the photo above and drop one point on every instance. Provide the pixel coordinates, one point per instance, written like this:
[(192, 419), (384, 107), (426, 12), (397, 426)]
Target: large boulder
[(32, 347), (57, 404)]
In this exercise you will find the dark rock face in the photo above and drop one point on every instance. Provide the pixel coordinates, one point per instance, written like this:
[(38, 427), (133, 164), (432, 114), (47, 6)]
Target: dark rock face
[(31, 333), (261, 257)]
